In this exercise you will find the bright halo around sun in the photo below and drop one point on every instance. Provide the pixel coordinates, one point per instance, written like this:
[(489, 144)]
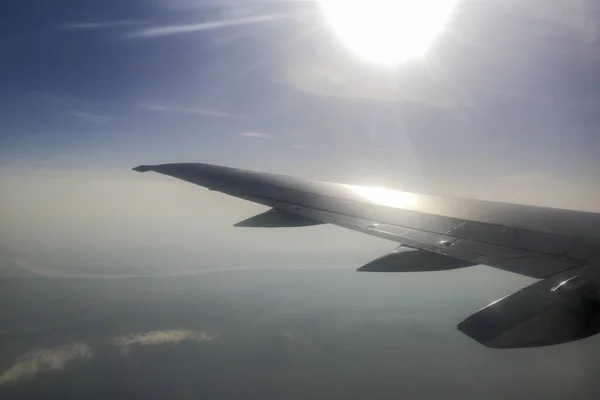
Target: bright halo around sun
[(388, 31)]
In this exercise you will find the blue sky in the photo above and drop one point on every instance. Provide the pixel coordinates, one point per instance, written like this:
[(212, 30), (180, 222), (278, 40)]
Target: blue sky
[(508, 89)]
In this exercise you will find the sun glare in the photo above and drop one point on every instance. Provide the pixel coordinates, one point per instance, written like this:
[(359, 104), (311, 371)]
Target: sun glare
[(388, 31)]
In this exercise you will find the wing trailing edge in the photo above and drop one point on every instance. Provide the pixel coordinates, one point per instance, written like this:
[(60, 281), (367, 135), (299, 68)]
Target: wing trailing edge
[(274, 218)]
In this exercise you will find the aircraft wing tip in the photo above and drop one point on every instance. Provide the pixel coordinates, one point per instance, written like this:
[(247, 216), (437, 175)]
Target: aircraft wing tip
[(143, 168)]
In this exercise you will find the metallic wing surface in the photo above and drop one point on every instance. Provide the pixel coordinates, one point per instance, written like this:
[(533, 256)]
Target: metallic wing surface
[(437, 233)]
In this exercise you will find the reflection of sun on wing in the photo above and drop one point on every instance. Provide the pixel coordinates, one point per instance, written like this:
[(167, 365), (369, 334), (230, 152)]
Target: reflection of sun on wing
[(383, 196), (388, 31)]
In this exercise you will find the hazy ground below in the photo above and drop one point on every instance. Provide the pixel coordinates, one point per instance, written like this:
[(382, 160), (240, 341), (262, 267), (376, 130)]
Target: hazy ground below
[(252, 334)]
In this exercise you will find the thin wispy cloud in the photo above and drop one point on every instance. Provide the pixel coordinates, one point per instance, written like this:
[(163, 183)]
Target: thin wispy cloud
[(576, 15), (75, 26), (94, 118), (155, 338), (32, 363), (188, 109), (326, 74), (254, 134), (168, 30), (296, 340), (42, 270)]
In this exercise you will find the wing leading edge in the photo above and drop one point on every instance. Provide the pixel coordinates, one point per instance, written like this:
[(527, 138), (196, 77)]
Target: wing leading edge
[(543, 243)]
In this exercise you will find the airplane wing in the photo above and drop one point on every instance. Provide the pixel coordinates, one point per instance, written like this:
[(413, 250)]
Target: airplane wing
[(561, 247)]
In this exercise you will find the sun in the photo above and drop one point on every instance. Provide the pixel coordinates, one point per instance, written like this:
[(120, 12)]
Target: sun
[(388, 31)]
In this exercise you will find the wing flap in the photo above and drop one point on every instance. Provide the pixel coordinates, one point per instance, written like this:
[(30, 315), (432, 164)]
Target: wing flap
[(275, 218), (405, 259), (538, 315)]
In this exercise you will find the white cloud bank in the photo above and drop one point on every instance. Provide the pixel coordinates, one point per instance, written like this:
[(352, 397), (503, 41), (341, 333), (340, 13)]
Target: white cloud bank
[(155, 338), (34, 362)]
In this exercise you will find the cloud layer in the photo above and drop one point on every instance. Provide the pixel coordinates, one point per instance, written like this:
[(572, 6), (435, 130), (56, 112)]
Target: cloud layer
[(155, 338), (32, 363), (35, 362)]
